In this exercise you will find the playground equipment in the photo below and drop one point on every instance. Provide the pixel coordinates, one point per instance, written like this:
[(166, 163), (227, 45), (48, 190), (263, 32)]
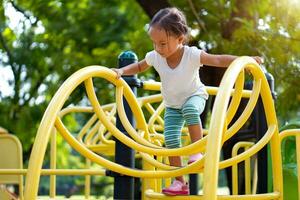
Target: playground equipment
[(94, 138), (11, 158)]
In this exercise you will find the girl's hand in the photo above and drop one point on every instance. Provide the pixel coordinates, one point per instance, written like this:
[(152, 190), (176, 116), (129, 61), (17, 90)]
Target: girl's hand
[(119, 72), (258, 59)]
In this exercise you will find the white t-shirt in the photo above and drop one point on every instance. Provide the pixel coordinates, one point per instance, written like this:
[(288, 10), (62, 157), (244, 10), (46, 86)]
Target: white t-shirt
[(182, 82)]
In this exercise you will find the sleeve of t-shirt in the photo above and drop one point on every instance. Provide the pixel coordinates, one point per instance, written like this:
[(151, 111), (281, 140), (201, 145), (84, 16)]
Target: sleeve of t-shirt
[(195, 57), (150, 58)]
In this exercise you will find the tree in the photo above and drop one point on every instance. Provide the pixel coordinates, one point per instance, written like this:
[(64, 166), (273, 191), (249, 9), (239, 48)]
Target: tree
[(53, 40)]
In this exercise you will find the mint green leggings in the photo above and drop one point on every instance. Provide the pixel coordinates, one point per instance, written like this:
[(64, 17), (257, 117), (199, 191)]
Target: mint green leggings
[(174, 119)]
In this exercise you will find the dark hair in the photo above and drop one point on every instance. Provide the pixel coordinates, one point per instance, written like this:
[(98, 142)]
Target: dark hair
[(172, 20)]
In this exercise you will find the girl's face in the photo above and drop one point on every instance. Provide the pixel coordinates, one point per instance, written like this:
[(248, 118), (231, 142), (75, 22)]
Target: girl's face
[(165, 44)]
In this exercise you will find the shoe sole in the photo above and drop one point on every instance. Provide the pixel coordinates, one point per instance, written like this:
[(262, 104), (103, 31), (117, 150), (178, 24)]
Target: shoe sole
[(173, 193)]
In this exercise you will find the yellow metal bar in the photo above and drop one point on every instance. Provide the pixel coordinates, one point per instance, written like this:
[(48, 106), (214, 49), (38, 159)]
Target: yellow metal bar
[(102, 130), (236, 97), (87, 185), (85, 128), (235, 180), (218, 123), (147, 183), (43, 134), (145, 147), (152, 111), (247, 111), (119, 168), (94, 129), (235, 150), (275, 144), (251, 151), (288, 133), (82, 109), (79, 109), (149, 159), (247, 174), (156, 116), (150, 99), (53, 163), (296, 134), (216, 128), (108, 149), (131, 131), (152, 85), (58, 172), (255, 178), (268, 196), (99, 129)]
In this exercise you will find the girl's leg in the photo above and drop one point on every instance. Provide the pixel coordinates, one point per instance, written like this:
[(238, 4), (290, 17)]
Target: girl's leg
[(176, 161), (191, 110), (173, 124), (196, 132)]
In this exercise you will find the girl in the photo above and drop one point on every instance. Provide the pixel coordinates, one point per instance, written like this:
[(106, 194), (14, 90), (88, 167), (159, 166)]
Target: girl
[(183, 93)]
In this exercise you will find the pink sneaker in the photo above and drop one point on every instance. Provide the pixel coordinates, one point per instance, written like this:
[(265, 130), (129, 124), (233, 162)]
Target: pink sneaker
[(177, 188), (195, 157)]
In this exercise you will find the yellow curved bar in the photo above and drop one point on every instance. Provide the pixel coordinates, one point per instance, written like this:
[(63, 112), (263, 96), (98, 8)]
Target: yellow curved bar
[(236, 97), (288, 133), (156, 150), (235, 150), (156, 115), (85, 128), (47, 122), (150, 160), (295, 133), (119, 168), (111, 127), (128, 127), (218, 123), (247, 111)]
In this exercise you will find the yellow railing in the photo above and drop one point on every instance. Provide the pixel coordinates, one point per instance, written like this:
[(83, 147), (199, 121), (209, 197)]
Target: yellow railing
[(235, 149), (95, 136), (294, 133)]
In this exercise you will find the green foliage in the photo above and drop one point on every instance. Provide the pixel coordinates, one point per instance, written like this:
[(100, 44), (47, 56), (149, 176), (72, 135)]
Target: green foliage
[(54, 39)]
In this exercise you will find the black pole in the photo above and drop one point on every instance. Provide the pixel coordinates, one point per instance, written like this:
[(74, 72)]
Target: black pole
[(124, 185), (193, 181)]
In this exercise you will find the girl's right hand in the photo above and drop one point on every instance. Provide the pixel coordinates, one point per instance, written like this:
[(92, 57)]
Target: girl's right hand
[(119, 72)]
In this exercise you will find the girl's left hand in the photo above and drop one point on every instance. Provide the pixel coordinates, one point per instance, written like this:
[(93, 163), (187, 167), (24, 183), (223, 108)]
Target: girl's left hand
[(258, 59)]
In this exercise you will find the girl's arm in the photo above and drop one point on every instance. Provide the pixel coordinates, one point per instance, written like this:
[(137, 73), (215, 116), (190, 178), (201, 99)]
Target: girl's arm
[(221, 60), (131, 69)]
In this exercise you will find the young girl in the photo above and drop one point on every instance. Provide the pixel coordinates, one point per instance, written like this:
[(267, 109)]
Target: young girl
[(183, 93)]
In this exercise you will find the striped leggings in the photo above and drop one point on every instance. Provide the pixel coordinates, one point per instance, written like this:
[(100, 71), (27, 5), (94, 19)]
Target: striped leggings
[(174, 119)]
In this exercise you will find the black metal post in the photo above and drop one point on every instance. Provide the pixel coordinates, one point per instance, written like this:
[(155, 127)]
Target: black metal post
[(193, 181), (124, 185)]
